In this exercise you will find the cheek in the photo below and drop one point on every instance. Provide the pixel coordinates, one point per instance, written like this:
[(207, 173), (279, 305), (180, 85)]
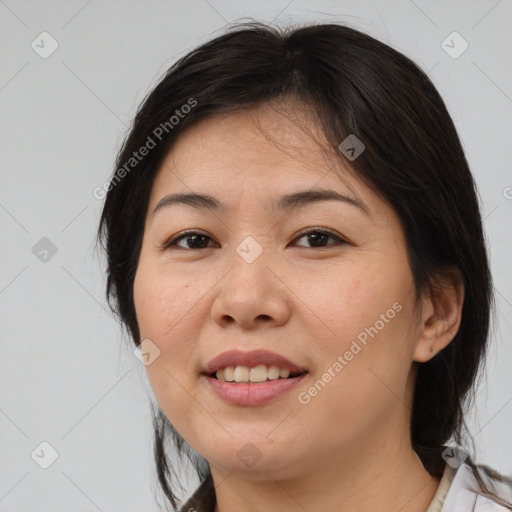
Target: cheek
[(163, 314), (346, 302), (366, 319), (161, 307), (163, 304), (362, 379)]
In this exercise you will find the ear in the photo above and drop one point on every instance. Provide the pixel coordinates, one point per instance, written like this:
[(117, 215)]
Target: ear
[(440, 315)]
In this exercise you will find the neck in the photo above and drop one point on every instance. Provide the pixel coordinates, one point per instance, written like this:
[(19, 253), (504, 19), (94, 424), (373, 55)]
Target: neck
[(383, 480)]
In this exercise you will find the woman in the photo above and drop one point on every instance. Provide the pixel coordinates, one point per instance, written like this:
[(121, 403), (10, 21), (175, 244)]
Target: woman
[(295, 246)]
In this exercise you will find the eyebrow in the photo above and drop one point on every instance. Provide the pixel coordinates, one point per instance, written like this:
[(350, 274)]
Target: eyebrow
[(286, 202)]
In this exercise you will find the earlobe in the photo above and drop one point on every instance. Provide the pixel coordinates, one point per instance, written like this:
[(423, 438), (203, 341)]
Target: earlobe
[(441, 315)]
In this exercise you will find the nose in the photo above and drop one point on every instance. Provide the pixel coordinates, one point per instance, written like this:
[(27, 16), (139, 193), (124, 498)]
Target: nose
[(252, 294)]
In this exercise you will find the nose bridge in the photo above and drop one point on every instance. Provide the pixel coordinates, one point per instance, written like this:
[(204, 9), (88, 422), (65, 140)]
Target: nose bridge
[(248, 265), (250, 250)]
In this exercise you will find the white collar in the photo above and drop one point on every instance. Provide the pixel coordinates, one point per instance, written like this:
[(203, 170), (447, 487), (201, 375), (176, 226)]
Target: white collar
[(460, 497)]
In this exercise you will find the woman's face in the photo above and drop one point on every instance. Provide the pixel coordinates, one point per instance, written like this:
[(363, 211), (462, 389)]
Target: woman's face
[(338, 304)]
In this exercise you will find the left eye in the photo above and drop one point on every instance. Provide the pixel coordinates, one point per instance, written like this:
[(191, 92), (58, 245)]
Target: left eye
[(317, 236), (196, 239)]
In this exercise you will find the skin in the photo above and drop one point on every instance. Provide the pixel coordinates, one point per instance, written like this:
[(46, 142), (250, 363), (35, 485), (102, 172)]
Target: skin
[(349, 447)]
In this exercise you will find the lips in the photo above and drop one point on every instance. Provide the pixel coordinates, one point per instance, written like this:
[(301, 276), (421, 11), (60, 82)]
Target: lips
[(252, 393), (250, 359)]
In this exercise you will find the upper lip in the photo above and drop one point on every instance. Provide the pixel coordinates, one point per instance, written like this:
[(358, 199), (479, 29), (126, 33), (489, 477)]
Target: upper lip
[(250, 359)]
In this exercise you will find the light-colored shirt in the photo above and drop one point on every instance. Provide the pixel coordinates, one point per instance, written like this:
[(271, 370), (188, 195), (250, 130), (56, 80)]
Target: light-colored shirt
[(442, 490), (461, 497)]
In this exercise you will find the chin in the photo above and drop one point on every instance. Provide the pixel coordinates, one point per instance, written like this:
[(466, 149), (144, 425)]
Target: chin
[(254, 456)]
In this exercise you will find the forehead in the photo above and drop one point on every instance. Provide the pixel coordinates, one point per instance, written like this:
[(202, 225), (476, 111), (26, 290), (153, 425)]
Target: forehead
[(254, 154)]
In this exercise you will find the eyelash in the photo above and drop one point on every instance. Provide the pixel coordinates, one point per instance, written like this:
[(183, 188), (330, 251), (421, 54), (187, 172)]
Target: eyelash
[(173, 241)]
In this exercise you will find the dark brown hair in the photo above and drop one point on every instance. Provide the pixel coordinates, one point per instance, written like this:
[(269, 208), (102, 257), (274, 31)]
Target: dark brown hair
[(413, 159)]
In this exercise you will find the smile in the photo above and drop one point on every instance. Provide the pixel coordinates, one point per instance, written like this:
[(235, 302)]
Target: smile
[(259, 373)]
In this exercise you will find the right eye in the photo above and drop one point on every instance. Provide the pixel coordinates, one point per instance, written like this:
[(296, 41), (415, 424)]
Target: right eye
[(192, 238)]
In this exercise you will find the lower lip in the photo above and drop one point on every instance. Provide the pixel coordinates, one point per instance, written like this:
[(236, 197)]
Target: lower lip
[(258, 393)]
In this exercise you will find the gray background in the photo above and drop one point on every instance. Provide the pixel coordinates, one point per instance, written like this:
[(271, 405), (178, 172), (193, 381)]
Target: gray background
[(67, 375)]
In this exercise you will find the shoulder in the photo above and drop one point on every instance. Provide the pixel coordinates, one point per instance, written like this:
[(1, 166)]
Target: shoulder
[(461, 495)]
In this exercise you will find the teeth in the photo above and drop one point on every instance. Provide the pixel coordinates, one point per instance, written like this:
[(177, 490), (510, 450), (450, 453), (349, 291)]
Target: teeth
[(284, 374), (259, 373), (273, 372), (241, 374), (229, 374)]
